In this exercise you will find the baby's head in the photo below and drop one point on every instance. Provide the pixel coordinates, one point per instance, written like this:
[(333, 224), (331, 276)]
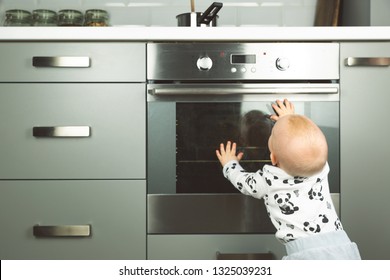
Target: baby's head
[(298, 146)]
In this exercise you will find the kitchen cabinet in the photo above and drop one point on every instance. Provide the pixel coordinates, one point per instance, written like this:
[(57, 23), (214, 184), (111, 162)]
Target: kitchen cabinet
[(72, 62), (113, 114), (73, 150), (365, 153), (113, 211)]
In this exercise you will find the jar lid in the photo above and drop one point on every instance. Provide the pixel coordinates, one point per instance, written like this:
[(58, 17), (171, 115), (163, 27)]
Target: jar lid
[(96, 17), (70, 17), (44, 17), (96, 13), (44, 14), (17, 14), (17, 17)]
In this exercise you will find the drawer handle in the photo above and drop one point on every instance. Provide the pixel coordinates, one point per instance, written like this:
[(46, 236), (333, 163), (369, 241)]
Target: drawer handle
[(62, 231), (367, 61), (62, 131), (61, 61), (245, 256)]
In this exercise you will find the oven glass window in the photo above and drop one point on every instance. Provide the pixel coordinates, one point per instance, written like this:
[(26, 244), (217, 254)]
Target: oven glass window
[(183, 138), (201, 128)]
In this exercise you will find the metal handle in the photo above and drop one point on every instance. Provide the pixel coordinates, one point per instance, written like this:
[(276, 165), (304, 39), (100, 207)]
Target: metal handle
[(62, 131), (367, 61), (245, 256), (240, 91), (61, 61), (62, 231), (210, 13)]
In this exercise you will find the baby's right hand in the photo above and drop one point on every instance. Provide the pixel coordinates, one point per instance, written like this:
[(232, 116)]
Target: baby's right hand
[(281, 109), (228, 153)]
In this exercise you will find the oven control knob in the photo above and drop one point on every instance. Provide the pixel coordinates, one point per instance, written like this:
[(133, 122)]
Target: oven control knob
[(204, 63), (282, 63)]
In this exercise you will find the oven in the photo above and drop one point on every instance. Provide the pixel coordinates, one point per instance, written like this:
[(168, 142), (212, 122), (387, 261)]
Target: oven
[(202, 94)]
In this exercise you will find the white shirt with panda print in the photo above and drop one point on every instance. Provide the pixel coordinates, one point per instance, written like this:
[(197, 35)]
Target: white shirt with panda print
[(298, 206)]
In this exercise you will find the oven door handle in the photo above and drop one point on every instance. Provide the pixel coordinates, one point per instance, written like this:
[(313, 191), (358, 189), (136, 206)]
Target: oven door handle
[(240, 91)]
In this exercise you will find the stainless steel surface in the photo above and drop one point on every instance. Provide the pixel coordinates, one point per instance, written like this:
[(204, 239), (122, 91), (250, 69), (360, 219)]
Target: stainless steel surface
[(243, 61), (62, 131), (210, 213), (187, 90), (61, 61), (62, 231), (207, 213), (243, 92), (367, 61), (213, 82)]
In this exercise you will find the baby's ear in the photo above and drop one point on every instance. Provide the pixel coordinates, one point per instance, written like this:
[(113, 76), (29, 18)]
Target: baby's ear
[(273, 159)]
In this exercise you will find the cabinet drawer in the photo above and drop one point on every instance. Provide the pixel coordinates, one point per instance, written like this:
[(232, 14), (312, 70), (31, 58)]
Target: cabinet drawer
[(112, 115), (114, 211), (72, 62)]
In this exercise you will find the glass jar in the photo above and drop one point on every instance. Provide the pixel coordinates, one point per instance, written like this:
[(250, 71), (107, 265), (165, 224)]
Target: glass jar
[(17, 18), (70, 18), (44, 17), (96, 17)]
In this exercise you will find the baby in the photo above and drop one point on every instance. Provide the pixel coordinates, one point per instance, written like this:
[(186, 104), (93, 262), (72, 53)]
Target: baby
[(295, 188)]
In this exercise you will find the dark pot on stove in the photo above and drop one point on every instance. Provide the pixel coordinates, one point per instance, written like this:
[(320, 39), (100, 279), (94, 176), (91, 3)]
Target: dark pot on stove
[(207, 18)]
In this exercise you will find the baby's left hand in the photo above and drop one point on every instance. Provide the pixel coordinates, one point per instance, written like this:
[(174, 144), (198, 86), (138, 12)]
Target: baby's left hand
[(229, 153), (282, 108)]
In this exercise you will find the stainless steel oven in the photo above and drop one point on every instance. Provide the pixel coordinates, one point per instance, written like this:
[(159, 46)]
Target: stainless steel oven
[(202, 94)]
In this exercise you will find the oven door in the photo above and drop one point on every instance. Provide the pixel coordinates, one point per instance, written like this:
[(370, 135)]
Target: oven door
[(187, 192)]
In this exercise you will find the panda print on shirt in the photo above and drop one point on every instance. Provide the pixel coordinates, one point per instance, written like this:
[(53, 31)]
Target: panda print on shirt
[(315, 225), (316, 191), (250, 181), (284, 199), (287, 207)]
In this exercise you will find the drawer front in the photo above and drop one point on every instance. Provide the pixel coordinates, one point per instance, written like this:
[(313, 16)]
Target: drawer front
[(114, 211), (73, 131), (72, 62)]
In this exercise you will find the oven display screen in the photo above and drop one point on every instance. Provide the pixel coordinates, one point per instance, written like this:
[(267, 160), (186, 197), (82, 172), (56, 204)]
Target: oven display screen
[(243, 59)]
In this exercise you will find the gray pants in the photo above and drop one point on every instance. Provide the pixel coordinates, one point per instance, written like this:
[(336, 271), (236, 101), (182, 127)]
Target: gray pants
[(324, 246)]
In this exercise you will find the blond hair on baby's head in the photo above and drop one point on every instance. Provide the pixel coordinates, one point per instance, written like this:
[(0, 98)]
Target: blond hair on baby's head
[(298, 145)]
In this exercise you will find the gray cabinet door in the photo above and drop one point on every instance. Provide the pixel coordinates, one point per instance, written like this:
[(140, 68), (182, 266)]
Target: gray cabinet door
[(114, 211), (114, 115), (365, 152), (72, 62)]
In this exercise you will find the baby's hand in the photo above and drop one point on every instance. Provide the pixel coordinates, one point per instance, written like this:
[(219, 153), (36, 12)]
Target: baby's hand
[(282, 109), (229, 153)]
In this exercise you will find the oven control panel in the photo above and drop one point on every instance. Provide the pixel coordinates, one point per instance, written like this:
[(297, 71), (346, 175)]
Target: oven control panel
[(243, 61)]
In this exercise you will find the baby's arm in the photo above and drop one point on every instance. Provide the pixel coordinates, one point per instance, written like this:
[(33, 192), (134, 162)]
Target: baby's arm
[(247, 183), (282, 108)]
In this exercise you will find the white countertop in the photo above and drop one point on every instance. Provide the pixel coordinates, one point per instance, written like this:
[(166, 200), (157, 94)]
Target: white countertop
[(134, 33)]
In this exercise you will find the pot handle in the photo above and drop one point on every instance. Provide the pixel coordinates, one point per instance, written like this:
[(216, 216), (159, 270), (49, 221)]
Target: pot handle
[(210, 13)]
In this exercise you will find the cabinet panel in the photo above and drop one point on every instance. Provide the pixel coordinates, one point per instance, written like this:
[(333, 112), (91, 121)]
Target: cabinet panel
[(72, 62), (114, 115), (115, 211), (365, 153)]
